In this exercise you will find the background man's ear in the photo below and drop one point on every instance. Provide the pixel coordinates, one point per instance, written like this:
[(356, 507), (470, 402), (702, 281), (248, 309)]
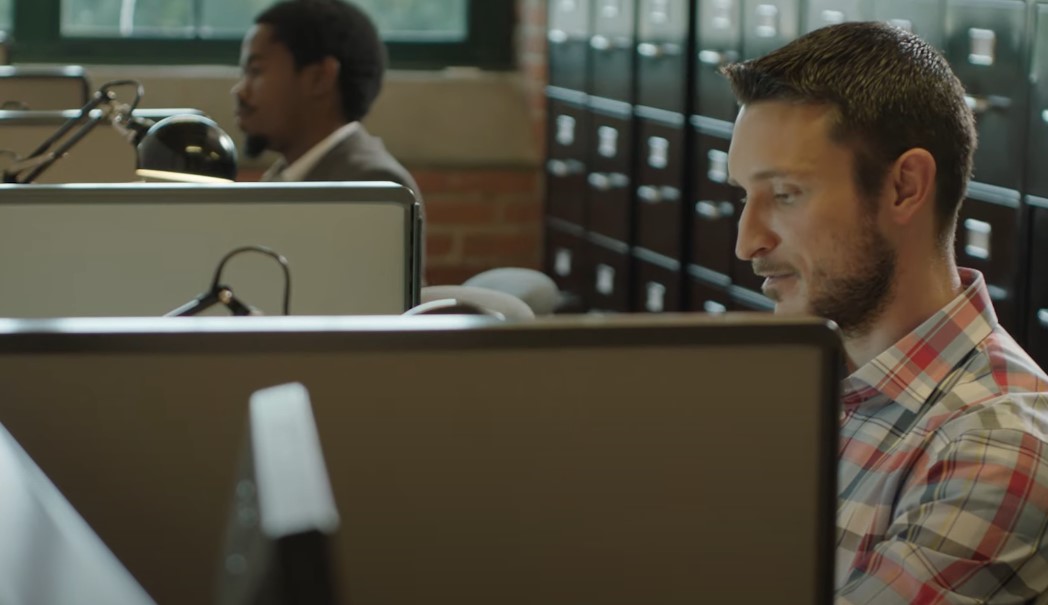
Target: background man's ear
[(323, 76)]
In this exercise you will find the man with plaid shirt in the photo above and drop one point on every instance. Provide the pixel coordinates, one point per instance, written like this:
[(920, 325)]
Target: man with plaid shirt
[(854, 147)]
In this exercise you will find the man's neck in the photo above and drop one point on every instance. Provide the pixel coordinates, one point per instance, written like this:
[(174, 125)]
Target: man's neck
[(919, 291), (309, 137)]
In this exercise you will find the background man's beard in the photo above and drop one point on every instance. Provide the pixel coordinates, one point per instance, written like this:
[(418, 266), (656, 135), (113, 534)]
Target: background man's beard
[(254, 145), (856, 300)]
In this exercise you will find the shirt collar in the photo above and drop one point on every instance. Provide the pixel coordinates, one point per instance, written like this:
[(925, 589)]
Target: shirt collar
[(909, 371), (298, 169)]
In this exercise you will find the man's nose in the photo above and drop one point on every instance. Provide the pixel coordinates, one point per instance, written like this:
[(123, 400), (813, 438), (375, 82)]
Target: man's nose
[(755, 239)]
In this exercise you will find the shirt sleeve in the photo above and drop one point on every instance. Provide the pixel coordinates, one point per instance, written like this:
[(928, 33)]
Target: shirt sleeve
[(970, 527)]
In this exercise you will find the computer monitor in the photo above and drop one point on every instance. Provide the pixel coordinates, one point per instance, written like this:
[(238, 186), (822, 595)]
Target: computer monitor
[(146, 249), (573, 460), (48, 554), (278, 536)]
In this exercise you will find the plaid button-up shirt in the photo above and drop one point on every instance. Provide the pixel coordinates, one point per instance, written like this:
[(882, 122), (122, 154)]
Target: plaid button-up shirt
[(943, 476)]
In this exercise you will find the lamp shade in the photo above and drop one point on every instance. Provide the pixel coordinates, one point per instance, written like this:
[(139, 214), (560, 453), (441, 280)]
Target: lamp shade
[(187, 147)]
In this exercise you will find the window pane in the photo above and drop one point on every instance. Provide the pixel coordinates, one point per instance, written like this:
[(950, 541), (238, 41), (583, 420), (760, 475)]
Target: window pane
[(436, 20), (401, 20), (128, 18), (6, 14)]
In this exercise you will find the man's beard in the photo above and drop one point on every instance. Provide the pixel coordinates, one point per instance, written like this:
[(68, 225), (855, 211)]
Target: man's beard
[(857, 297), (254, 145)]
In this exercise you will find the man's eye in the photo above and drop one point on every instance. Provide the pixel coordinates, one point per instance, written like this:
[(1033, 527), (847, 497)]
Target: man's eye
[(784, 197)]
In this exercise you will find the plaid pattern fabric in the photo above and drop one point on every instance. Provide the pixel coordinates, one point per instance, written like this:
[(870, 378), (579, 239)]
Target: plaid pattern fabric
[(943, 476)]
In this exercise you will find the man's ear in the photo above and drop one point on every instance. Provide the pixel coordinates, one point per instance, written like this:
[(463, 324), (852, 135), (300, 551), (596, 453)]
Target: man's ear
[(323, 76), (912, 185)]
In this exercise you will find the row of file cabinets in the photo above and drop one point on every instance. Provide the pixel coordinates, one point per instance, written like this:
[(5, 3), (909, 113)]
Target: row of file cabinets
[(666, 54), (678, 206), (603, 275), (600, 274)]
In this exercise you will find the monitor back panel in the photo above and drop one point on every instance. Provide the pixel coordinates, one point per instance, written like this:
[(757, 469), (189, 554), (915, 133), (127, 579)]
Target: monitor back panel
[(667, 460), (144, 250)]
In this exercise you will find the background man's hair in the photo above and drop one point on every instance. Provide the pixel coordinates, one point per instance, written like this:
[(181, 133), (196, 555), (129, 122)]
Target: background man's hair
[(315, 29), (891, 92)]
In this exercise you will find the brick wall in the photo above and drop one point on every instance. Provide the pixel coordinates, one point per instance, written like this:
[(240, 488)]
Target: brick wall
[(482, 218)]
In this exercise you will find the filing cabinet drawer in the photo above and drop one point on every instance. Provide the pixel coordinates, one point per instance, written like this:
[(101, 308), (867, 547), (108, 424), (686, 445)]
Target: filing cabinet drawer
[(1037, 179), (569, 37), (610, 180), (1037, 319), (767, 25), (657, 286), (707, 294), (746, 300), (566, 167), (566, 263), (659, 200), (662, 46), (987, 240), (821, 13), (922, 17), (713, 217), (611, 50), (719, 27), (609, 277), (984, 44)]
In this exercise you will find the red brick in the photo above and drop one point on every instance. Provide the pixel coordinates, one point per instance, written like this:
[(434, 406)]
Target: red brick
[(522, 212), (444, 276), (454, 210), (439, 245), (430, 181), (487, 245), (496, 181), (250, 175)]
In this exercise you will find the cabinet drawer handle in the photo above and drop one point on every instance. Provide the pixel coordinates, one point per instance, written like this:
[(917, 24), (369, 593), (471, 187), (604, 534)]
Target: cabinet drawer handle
[(981, 105), (714, 307), (715, 58), (713, 211), (564, 168), (1042, 318), (600, 43)]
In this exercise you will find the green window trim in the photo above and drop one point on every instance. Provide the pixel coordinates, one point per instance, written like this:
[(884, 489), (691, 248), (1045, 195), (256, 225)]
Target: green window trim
[(37, 39)]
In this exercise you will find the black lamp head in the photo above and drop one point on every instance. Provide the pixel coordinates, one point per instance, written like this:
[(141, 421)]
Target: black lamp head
[(187, 148)]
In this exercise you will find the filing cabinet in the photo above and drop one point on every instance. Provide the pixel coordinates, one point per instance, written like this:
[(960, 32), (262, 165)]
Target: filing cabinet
[(609, 264), (1037, 309), (569, 41), (985, 45), (566, 167), (708, 291), (610, 180), (660, 174), (566, 263), (821, 13), (719, 42), (921, 17), (662, 54), (611, 49), (657, 286), (713, 203), (987, 240), (767, 25), (1037, 176), (743, 299)]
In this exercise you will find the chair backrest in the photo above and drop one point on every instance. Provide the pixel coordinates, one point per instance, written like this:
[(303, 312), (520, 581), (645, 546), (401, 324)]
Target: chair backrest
[(488, 301)]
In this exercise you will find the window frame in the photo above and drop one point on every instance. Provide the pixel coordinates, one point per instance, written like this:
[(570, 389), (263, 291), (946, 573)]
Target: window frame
[(37, 39)]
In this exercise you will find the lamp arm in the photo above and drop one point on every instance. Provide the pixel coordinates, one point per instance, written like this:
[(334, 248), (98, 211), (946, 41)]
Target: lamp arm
[(42, 157)]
